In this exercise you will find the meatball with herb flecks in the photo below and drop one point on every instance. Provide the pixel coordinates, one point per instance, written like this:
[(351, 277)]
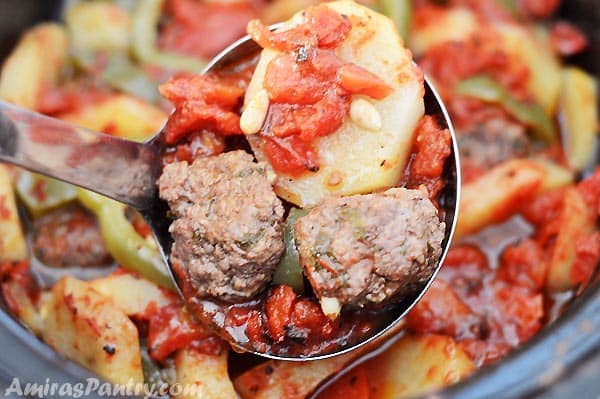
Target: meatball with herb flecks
[(369, 249), (228, 232)]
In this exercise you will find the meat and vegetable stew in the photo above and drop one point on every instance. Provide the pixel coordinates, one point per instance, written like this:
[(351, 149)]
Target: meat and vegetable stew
[(361, 253), (527, 235)]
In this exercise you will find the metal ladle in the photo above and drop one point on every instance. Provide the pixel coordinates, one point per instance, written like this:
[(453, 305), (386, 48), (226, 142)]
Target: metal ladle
[(127, 171)]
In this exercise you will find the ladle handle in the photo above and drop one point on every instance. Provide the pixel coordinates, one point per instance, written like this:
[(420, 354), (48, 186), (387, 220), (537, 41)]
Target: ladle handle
[(120, 169)]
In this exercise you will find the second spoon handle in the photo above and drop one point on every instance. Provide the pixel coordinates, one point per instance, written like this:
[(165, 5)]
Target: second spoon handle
[(120, 169)]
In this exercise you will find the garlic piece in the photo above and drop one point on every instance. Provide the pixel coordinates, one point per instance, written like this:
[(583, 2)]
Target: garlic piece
[(365, 115), (331, 307), (255, 113)]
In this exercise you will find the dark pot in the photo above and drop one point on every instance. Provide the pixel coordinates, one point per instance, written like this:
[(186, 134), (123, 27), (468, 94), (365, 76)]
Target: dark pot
[(563, 360)]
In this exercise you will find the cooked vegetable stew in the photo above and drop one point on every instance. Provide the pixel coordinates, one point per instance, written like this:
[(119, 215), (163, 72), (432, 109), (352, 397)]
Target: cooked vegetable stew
[(527, 236), (361, 254)]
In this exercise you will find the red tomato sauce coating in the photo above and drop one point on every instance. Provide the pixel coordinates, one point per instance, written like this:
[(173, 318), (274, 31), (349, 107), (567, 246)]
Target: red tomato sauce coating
[(281, 317), (202, 102), (475, 305), (170, 328), (17, 273), (430, 150), (449, 63)]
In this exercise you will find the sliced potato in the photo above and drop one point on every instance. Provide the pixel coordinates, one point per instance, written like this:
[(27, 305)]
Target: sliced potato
[(12, 242), (132, 294), (417, 364), (576, 219), (532, 47), (450, 24), (556, 176), (287, 380), (354, 156), (36, 62), (579, 116), (497, 194), (85, 326), (121, 115), (203, 376), (98, 25)]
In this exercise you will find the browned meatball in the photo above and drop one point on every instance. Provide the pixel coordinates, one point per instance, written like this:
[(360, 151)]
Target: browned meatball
[(370, 249), (69, 236), (493, 142), (228, 234)]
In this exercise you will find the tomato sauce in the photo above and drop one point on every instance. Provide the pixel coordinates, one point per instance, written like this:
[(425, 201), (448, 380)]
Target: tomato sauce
[(566, 39), (54, 101), (431, 148), (487, 311), (203, 29), (449, 63), (18, 273), (202, 102), (170, 328)]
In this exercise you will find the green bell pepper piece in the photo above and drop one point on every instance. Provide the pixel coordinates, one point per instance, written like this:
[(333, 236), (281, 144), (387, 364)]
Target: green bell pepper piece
[(289, 270), (122, 74), (125, 245), (400, 11), (510, 5), (484, 88), (144, 33), (41, 194)]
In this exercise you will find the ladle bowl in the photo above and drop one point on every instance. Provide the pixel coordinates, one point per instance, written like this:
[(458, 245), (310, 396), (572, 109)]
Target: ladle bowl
[(127, 171)]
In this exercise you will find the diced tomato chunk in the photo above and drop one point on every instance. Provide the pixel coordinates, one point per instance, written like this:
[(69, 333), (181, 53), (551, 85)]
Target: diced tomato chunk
[(461, 255), (288, 82), (201, 29), (170, 328), (518, 313), (208, 88), (484, 352), (352, 385), (254, 329), (330, 27), (201, 103), (279, 311), (539, 8), (17, 272), (567, 39), (587, 258), (308, 319), (431, 148), (323, 28), (544, 212), (589, 188), (357, 80), (524, 264), (194, 116), (441, 311), (290, 155)]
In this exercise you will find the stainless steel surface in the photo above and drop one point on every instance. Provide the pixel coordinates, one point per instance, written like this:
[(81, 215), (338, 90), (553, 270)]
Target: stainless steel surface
[(120, 169), (127, 172)]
